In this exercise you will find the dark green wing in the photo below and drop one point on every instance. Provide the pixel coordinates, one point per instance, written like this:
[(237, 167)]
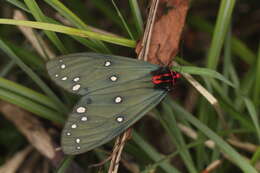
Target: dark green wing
[(101, 116), (83, 73), (117, 91)]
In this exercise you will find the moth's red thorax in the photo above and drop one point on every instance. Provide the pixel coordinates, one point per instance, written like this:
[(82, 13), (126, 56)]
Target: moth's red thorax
[(164, 78)]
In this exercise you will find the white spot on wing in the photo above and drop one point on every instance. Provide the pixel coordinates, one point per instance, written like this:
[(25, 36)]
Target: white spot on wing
[(78, 147), (113, 78), (64, 78), (77, 140), (118, 99), (76, 87), (68, 133), (74, 126), (120, 119), (63, 66), (76, 79), (56, 75), (81, 109), (107, 63), (84, 118)]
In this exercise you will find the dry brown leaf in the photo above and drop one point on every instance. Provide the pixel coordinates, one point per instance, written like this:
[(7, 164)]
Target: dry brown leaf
[(166, 31)]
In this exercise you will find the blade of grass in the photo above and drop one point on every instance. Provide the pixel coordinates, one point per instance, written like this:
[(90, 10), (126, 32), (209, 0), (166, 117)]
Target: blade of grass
[(138, 21), (28, 57), (202, 71), (28, 93), (232, 112), (257, 81), (222, 145), (19, 4), (254, 116), (107, 10), (227, 59), (39, 16), (75, 20), (33, 76), (154, 155), (31, 106), (170, 124), (7, 68), (83, 41), (123, 20), (256, 156), (238, 47), (66, 162), (168, 157), (202, 156), (223, 21), (71, 31)]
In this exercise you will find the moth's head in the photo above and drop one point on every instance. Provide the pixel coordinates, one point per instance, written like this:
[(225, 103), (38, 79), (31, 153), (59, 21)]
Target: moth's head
[(163, 78)]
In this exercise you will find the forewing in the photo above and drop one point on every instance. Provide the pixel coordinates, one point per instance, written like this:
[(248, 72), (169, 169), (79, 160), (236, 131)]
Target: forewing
[(84, 73), (103, 115)]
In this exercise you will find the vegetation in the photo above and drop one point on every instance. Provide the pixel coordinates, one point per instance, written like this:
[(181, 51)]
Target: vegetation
[(209, 123)]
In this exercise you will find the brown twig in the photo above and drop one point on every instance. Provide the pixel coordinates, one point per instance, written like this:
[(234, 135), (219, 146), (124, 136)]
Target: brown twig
[(117, 151), (213, 166), (12, 165)]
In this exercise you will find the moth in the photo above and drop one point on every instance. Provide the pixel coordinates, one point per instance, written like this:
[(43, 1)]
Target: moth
[(115, 92)]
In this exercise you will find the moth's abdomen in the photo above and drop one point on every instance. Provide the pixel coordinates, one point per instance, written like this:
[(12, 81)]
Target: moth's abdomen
[(164, 78)]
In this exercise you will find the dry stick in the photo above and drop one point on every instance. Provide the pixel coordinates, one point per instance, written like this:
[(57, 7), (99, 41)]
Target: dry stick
[(147, 45), (211, 167), (120, 142), (148, 31), (13, 164), (119, 145)]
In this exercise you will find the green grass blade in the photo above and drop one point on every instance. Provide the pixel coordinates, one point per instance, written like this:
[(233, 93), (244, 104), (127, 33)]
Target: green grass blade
[(257, 81), (32, 75), (254, 116), (71, 31), (203, 72), (154, 155), (238, 47), (223, 20), (256, 156), (28, 57), (19, 4), (66, 162), (28, 93), (31, 106), (106, 8), (7, 68), (222, 145), (68, 14), (123, 21), (76, 21), (39, 16), (169, 122), (168, 157), (138, 21), (227, 59)]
